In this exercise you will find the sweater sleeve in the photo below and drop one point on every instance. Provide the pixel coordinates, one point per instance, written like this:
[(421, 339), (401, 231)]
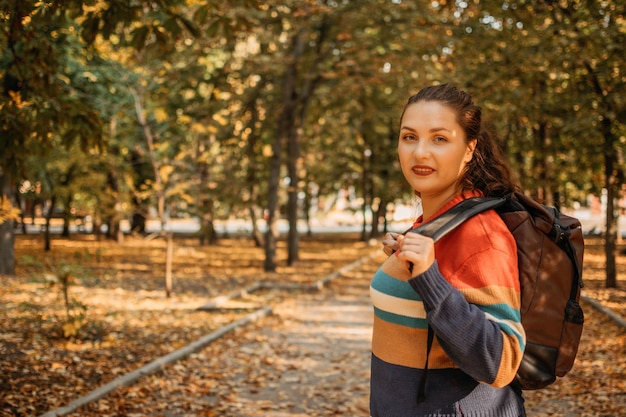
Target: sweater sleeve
[(479, 327)]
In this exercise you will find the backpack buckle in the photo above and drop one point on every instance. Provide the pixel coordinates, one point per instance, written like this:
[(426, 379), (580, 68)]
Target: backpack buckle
[(558, 232)]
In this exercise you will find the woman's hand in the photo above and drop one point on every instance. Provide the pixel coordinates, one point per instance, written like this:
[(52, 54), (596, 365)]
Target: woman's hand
[(416, 250), (390, 243)]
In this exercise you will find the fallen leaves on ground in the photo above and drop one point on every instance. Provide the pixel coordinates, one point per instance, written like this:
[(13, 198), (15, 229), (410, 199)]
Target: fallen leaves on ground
[(129, 322)]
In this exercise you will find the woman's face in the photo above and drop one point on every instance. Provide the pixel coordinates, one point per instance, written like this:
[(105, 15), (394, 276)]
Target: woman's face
[(433, 149)]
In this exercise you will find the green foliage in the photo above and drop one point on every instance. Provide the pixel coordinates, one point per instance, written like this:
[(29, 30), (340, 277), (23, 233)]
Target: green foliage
[(86, 83), (47, 89)]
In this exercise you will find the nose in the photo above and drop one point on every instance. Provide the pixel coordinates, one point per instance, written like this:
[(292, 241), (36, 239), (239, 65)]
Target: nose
[(420, 148)]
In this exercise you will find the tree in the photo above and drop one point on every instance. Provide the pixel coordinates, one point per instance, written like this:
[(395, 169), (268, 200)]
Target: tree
[(39, 100), (306, 52), (47, 53)]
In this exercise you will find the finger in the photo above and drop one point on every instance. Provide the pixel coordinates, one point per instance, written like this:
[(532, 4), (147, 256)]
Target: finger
[(409, 245)]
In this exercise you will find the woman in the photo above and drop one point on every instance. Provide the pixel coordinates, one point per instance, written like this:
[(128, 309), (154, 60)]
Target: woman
[(463, 291)]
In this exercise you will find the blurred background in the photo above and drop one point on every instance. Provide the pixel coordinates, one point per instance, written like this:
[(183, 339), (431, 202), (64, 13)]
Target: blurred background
[(270, 118)]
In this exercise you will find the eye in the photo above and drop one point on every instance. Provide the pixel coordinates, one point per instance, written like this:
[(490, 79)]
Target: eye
[(440, 139), (409, 137)]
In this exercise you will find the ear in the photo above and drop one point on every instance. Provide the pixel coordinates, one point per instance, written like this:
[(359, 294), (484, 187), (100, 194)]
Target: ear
[(469, 151)]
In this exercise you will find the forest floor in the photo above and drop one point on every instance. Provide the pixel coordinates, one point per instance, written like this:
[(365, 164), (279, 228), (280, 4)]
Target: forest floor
[(310, 357)]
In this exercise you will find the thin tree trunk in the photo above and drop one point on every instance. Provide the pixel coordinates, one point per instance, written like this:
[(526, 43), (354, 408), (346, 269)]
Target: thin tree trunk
[(257, 237), (46, 236), (307, 210), (67, 217), (610, 244), (22, 206), (290, 111), (365, 163), (271, 234), (156, 166), (207, 227), (251, 176), (169, 257), (381, 213), (293, 149)]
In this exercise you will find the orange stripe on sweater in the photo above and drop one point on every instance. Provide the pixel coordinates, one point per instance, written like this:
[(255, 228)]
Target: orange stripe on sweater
[(405, 346)]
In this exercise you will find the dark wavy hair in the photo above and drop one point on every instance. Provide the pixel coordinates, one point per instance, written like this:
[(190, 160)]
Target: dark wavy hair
[(488, 171)]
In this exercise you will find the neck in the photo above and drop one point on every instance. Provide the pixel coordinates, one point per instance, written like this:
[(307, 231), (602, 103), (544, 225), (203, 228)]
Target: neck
[(432, 204)]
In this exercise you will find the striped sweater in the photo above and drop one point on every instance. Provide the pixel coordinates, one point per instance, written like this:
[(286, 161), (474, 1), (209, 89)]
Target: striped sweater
[(470, 297)]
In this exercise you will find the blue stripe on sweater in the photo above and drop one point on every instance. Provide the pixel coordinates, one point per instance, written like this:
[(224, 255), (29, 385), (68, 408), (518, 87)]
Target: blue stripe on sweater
[(411, 322), (502, 310), (386, 284), (508, 313)]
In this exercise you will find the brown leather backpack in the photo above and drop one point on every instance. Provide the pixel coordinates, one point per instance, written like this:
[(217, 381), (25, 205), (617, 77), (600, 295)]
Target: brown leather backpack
[(550, 249)]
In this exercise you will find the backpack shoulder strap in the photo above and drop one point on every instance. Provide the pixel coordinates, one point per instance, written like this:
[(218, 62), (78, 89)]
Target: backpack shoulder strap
[(448, 221)]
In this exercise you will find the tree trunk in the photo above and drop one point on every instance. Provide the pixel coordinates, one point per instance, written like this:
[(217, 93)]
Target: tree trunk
[(207, 227), (271, 234), (290, 129), (208, 236), (610, 176), (46, 235), (7, 236), (610, 244), (367, 192), (67, 218), (293, 112), (169, 259), (65, 232), (285, 133), (257, 237), (251, 177), (10, 84), (381, 214), (541, 168), (307, 210), (154, 161), (22, 206), (293, 151)]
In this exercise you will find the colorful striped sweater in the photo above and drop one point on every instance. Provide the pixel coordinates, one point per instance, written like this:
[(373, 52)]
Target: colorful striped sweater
[(470, 297)]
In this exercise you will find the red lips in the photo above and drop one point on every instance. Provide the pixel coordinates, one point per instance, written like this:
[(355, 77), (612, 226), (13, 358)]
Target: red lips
[(422, 170)]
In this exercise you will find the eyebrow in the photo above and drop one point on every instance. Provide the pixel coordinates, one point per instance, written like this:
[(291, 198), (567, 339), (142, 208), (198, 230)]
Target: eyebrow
[(435, 129)]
